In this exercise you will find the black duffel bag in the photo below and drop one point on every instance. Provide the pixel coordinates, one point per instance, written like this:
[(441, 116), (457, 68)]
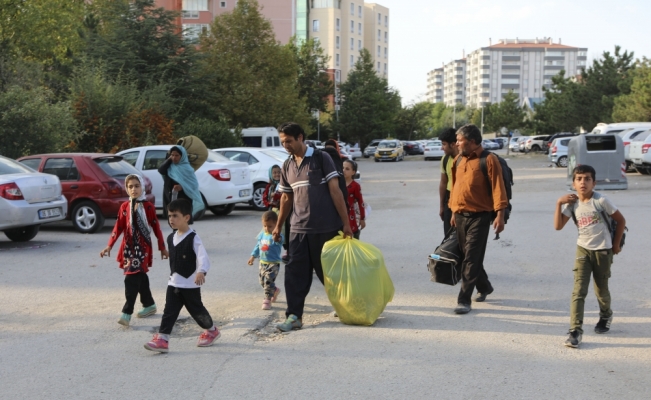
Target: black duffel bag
[(445, 264)]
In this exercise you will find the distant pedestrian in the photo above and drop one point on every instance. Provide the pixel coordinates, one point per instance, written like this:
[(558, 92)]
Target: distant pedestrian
[(476, 202), (332, 148), (591, 212), (310, 183), (189, 265), (136, 220), (268, 250), (355, 199), (179, 181), (449, 144), (271, 195)]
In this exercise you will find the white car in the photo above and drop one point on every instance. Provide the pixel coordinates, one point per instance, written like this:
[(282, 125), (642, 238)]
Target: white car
[(640, 154), (629, 135), (558, 151), (535, 143), (355, 152), (222, 182), (28, 199), (259, 161), (489, 145), (434, 149), (514, 144)]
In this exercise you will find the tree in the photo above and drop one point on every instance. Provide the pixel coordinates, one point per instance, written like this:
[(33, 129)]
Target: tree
[(636, 106), (563, 109), (507, 113), (369, 106), (314, 83), (251, 80), (30, 123), (414, 121)]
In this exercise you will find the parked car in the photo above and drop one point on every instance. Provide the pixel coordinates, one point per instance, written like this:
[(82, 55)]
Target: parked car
[(640, 154), (514, 144), (355, 152), (369, 151), (28, 199), (548, 143), (535, 143), (413, 148), (522, 142), (259, 161), (500, 142), (629, 135), (93, 184), (388, 150), (222, 182), (619, 127), (489, 145), (558, 152), (315, 143), (434, 150)]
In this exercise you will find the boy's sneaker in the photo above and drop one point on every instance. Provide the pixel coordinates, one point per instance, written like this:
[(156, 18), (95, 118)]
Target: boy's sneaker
[(276, 293), (574, 339), (207, 338), (292, 322), (147, 311), (603, 325), (157, 344), (124, 319), (266, 304)]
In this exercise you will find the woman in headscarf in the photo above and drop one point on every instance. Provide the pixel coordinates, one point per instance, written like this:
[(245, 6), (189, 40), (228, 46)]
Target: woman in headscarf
[(180, 181), (271, 195)]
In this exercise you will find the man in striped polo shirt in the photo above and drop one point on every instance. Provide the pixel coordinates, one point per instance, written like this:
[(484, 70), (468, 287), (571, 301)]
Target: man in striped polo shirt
[(309, 182)]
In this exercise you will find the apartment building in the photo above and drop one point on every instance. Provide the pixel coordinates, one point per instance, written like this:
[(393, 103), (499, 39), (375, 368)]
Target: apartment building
[(454, 80), (524, 66), (434, 92), (376, 36)]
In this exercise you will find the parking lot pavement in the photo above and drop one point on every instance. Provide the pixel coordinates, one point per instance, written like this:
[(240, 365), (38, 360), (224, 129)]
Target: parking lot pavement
[(60, 304)]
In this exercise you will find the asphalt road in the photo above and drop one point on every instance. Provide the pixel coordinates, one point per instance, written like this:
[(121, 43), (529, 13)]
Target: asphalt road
[(59, 336)]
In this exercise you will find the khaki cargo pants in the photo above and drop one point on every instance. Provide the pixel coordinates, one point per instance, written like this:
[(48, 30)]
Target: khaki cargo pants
[(596, 263)]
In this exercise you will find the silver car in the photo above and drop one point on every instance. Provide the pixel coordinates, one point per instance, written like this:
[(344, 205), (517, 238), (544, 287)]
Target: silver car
[(27, 200)]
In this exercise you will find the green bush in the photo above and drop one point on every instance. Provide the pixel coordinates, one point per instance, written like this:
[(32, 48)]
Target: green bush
[(214, 134)]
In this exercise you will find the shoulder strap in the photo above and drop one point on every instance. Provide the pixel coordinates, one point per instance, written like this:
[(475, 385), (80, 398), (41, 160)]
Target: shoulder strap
[(445, 161), (572, 207), (484, 170)]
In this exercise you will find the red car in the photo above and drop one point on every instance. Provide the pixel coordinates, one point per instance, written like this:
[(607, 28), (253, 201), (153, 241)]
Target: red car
[(93, 183)]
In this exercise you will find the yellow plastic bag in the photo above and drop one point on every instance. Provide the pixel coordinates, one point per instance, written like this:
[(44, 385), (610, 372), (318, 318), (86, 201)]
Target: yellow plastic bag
[(356, 280)]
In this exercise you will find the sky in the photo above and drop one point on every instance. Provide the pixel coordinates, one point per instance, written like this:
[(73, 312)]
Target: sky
[(426, 33)]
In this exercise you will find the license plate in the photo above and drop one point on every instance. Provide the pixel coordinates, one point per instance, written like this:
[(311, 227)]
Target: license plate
[(637, 161), (245, 193), (49, 213)]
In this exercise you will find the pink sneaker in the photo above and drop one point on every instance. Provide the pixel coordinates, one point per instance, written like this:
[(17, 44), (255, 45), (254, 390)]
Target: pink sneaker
[(266, 304), (207, 338), (276, 293), (157, 344)]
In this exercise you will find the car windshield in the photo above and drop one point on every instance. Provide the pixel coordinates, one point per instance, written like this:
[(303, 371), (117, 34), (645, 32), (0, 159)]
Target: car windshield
[(9, 166), (216, 157), (116, 167), (387, 145), (642, 136), (434, 143), (277, 154)]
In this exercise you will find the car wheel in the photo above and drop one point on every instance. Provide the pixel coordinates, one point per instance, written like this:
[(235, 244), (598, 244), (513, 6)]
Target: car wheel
[(630, 167), (23, 234), (258, 194), (87, 217), (426, 159), (376, 160), (643, 170), (562, 162), (535, 147), (223, 209), (365, 156)]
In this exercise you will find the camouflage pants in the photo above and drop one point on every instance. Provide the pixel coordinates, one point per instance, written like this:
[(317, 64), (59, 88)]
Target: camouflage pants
[(268, 274)]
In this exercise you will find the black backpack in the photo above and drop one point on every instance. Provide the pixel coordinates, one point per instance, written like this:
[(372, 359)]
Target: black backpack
[(507, 176), (318, 157), (445, 264)]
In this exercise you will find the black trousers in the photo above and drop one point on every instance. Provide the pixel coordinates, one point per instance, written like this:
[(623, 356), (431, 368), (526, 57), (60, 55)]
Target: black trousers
[(135, 284), (304, 257), (472, 232), (447, 214), (175, 300)]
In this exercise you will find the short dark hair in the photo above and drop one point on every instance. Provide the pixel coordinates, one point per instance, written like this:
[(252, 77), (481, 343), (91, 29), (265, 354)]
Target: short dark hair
[(270, 216), (584, 169), (181, 205), (352, 163), (330, 142), (448, 136), (470, 132), (292, 129)]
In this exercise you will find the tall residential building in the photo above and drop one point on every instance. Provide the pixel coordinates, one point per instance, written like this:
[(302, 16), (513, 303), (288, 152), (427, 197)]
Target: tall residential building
[(376, 36), (523, 66), (454, 80), (434, 92)]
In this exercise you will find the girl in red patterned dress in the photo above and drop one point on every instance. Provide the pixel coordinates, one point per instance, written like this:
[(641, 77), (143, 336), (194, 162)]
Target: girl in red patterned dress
[(136, 220), (355, 199)]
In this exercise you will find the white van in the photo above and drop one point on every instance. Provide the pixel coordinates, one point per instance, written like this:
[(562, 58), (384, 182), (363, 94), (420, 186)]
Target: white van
[(618, 127), (261, 137)]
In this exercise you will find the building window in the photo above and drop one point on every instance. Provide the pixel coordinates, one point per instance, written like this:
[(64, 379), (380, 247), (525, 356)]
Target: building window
[(359, 11), (385, 68), (337, 59), (316, 40), (352, 9), (379, 19), (338, 42), (378, 66), (315, 25), (222, 4), (386, 37), (352, 26), (359, 45), (379, 51), (359, 28), (352, 61), (386, 52), (192, 32), (338, 24), (386, 21), (191, 8), (379, 35), (352, 44)]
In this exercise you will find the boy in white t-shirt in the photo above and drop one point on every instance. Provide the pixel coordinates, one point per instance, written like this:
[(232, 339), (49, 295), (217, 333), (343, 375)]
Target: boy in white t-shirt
[(595, 248)]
